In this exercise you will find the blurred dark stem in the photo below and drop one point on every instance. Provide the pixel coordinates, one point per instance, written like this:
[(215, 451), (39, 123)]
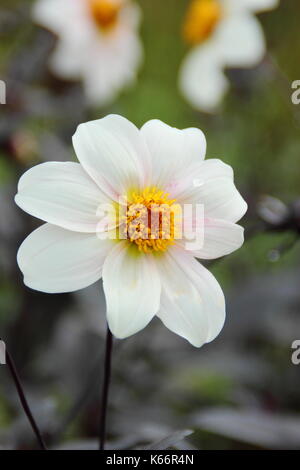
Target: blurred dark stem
[(23, 400), (283, 248), (105, 388)]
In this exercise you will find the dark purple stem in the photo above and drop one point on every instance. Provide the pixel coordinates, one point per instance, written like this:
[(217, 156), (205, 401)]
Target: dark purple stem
[(13, 370), (105, 388)]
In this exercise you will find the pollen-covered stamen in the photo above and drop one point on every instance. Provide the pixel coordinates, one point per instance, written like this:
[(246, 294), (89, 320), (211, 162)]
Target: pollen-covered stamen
[(201, 20), (150, 220), (105, 12)]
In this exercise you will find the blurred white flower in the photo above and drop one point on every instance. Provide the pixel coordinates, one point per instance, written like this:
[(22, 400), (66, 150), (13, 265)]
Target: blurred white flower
[(222, 33), (142, 276), (98, 43)]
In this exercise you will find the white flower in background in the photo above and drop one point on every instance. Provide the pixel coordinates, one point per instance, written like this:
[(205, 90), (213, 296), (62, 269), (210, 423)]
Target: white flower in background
[(222, 33), (98, 43), (142, 277)]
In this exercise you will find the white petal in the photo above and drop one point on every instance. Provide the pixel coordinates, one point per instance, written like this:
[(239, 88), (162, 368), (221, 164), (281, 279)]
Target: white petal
[(220, 198), (62, 194), (132, 289), (213, 168), (220, 238), (113, 153), (252, 5), (202, 80), (55, 260), (172, 150), (239, 41), (192, 302), (195, 175)]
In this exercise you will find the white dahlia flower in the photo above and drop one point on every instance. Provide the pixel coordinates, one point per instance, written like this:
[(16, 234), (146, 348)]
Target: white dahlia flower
[(222, 33), (98, 43), (106, 218)]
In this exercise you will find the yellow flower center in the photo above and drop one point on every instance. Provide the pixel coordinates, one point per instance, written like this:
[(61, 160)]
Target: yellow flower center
[(201, 20), (150, 220), (105, 13)]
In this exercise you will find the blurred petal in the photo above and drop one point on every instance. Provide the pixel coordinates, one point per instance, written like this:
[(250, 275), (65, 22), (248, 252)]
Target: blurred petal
[(252, 5), (220, 238), (192, 302), (55, 260), (71, 20), (60, 16), (62, 194), (105, 61), (66, 60), (113, 153), (239, 41), (172, 150), (111, 64), (220, 198), (113, 59), (131, 15), (132, 289), (202, 80), (50, 14), (273, 210)]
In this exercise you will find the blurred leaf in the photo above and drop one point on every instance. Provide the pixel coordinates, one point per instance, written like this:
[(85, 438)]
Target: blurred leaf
[(169, 441), (271, 431)]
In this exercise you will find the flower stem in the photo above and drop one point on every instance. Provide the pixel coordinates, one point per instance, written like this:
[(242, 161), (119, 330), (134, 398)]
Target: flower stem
[(13, 370), (105, 388)]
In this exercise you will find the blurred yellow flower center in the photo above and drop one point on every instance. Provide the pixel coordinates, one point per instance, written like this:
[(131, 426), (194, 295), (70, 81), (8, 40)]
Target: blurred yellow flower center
[(105, 13), (201, 19), (150, 220)]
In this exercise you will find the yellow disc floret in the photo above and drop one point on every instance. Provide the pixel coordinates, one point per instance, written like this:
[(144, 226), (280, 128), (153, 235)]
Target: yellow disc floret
[(105, 13), (150, 220), (201, 19)]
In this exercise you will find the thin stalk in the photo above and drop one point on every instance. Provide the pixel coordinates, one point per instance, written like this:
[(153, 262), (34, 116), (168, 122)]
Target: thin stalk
[(15, 376), (105, 388)]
